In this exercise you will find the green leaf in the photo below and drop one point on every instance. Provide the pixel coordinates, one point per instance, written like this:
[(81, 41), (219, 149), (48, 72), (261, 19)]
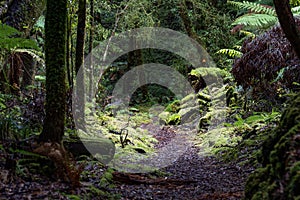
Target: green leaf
[(230, 52), (253, 7), (256, 21)]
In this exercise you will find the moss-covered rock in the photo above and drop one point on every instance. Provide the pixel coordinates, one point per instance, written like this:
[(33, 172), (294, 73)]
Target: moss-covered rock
[(174, 119), (164, 116), (173, 107), (279, 178)]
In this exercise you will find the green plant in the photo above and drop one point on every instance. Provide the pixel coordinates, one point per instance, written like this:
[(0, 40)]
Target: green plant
[(259, 16), (231, 53), (10, 38)]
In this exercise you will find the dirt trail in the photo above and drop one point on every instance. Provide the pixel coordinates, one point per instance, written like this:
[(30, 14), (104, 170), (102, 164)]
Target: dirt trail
[(192, 177)]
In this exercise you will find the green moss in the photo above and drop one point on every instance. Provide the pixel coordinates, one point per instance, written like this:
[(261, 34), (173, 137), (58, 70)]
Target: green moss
[(174, 119), (164, 116), (257, 181), (173, 107), (107, 179), (187, 99), (281, 177), (213, 72)]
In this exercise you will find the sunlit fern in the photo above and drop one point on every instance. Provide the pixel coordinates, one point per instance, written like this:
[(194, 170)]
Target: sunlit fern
[(253, 7), (256, 21), (261, 17), (231, 53), (296, 10), (36, 55)]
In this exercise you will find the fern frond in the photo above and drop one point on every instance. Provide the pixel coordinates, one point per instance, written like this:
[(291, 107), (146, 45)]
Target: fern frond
[(248, 34), (296, 10), (253, 7), (230, 52), (257, 21), (237, 47), (37, 55)]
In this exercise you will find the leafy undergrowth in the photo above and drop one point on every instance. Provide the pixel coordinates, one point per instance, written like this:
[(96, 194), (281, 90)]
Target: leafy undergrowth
[(124, 131), (35, 177)]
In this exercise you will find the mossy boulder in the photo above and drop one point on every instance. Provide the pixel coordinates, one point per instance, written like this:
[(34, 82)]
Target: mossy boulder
[(189, 114), (279, 177), (173, 107), (164, 116), (174, 119)]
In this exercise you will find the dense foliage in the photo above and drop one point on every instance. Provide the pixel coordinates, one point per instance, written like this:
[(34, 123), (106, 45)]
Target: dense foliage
[(236, 120), (268, 66)]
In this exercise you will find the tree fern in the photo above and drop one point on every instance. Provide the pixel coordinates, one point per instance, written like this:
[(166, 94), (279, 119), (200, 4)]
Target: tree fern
[(262, 17), (10, 39), (36, 55), (296, 10), (256, 21), (253, 7), (248, 34), (232, 53)]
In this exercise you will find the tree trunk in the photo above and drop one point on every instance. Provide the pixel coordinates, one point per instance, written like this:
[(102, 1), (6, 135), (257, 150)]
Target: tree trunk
[(80, 34), (135, 58), (80, 82), (91, 40), (183, 12), (29, 68), (288, 24), (68, 61), (55, 55)]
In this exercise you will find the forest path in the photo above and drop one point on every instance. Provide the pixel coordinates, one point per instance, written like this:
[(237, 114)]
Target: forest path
[(192, 177)]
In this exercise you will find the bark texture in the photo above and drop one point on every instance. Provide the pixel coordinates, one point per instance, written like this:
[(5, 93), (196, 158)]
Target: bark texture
[(55, 54)]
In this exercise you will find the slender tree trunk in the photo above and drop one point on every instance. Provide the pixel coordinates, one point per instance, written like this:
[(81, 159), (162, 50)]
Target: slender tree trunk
[(91, 40), (135, 58), (287, 22), (55, 55), (68, 61), (80, 35), (80, 82), (29, 65), (183, 12)]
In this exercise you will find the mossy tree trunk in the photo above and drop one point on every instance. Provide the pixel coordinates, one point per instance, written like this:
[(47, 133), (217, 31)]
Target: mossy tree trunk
[(68, 54), (55, 55)]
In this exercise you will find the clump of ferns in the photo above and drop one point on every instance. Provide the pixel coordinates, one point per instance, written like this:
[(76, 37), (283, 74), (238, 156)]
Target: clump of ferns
[(258, 17), (231, 54), (235, 52)]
